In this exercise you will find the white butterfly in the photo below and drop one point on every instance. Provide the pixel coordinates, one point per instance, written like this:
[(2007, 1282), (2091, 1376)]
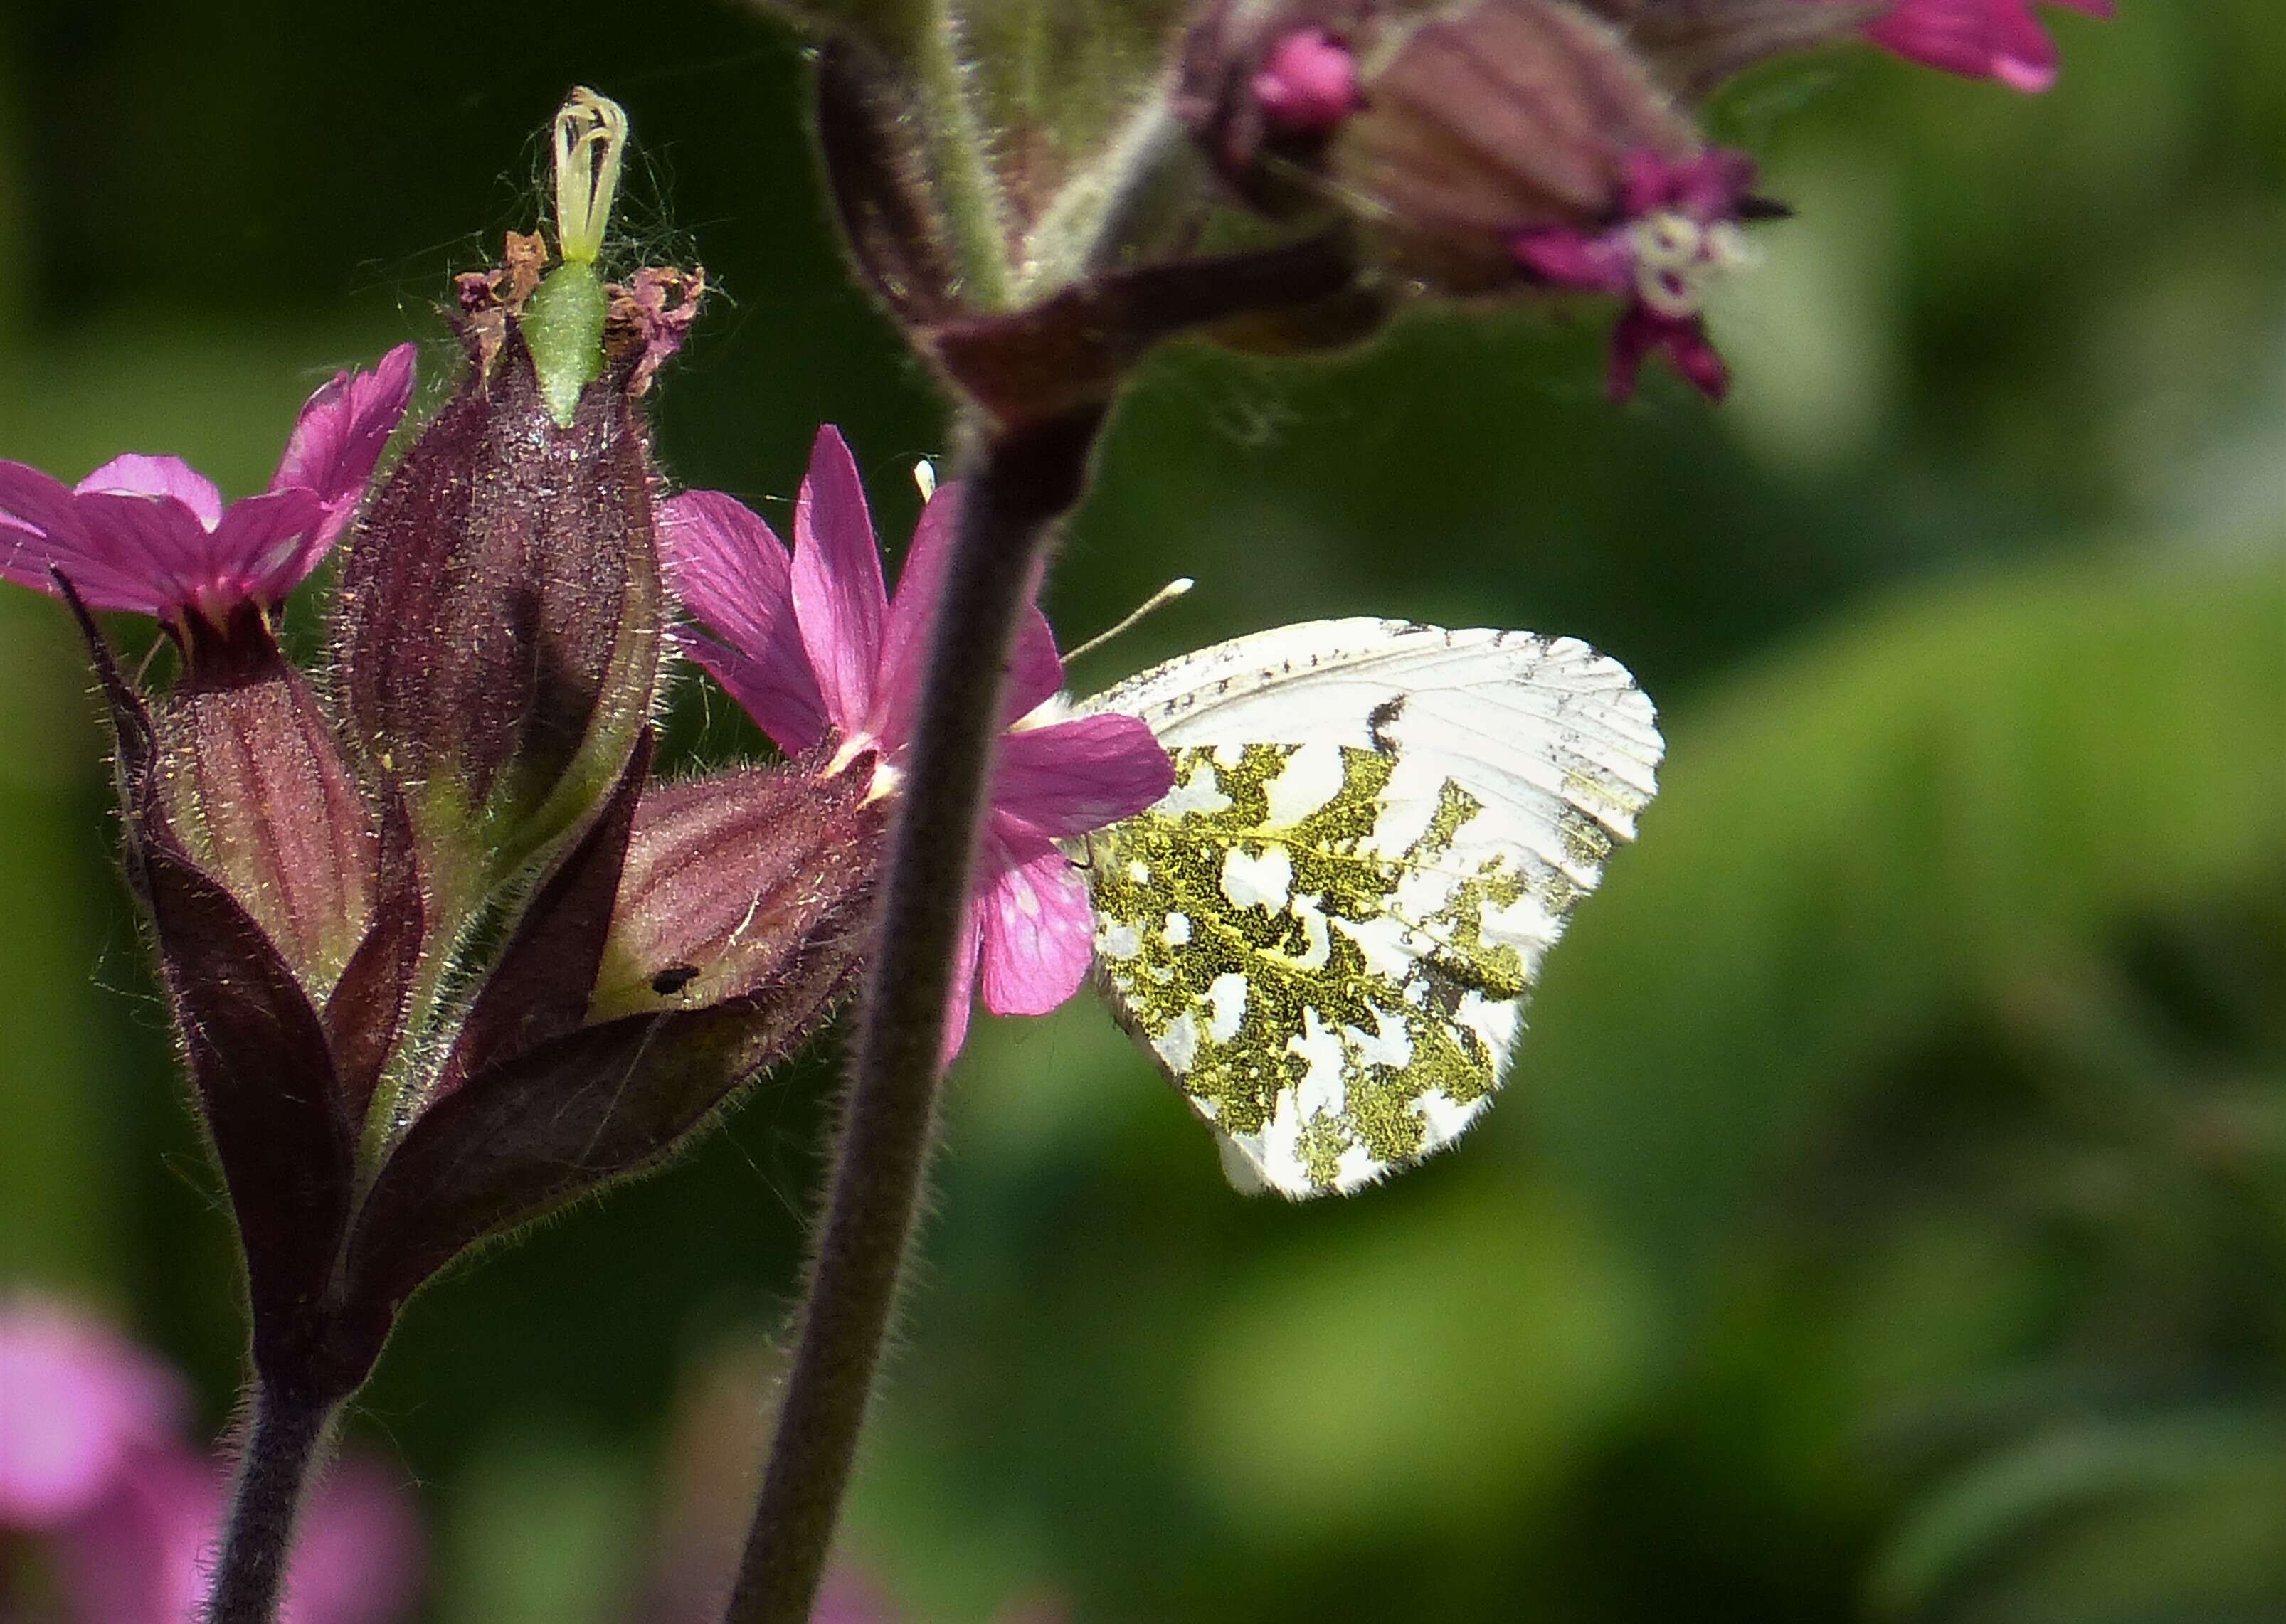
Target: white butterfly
[(1325, 932)]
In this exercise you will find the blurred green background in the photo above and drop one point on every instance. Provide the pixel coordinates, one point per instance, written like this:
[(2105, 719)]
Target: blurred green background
[(1886, 1220)]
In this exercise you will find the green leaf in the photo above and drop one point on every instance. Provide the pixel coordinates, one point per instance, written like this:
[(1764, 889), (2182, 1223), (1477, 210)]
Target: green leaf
[(2156, 1511), (1859, 837), (1374, 1384)]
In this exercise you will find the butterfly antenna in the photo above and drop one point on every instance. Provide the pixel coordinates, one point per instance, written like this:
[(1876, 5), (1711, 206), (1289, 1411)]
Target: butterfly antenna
[(1160, 599)]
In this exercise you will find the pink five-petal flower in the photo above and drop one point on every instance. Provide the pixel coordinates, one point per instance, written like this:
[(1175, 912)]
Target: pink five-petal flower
[(1677, 231), (152, 535), (77, 1403), (1982, 39), (813, 647)]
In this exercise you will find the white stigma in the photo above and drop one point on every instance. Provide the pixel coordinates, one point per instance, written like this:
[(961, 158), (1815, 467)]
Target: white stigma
[(1677, 258), (590, 138)]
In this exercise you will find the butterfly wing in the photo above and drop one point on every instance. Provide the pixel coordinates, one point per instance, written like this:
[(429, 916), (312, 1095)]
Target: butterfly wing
[(1327, 931)]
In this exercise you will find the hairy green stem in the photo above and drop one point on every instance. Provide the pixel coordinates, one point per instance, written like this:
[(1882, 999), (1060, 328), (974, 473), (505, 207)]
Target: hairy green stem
[(1025, 480), (960, 163), (282, 1448)]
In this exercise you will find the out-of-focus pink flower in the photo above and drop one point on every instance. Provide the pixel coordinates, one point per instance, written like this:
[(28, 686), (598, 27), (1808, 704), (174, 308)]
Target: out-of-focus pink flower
[(144, 1554), (813, 647), (1680, 231), (1983, 39), (152, 534), (358, 1556), (1308, 83), (91, 1458), (77, 1403), (849, 1597)]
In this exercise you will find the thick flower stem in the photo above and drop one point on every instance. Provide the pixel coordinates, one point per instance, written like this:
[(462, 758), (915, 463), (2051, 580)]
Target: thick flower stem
[(282, 1448), (1024, 481)]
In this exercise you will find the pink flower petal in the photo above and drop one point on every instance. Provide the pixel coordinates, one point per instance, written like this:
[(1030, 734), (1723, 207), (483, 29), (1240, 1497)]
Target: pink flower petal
[(962, 993), (1071, 777), (839, 600), (1038, 929), (1982, 39), (339, 436), (904, 641), (151, 535), (1034, 669), (42, 530), (155, 540), (1308, 83), (733, 573), (137, 475), (146, 1553), (1643, 331), (75, 1402), (149, 553), (265, 547), (1565, 258)]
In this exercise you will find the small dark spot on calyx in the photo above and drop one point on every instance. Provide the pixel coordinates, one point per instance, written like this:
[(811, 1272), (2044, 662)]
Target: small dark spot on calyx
[(674, 979)]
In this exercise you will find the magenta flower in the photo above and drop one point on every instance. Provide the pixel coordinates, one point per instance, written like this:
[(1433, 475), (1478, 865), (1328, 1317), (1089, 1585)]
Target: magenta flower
[(1679, 230), (152, 534), (814, 650), (76, 1402), (1983, 39)]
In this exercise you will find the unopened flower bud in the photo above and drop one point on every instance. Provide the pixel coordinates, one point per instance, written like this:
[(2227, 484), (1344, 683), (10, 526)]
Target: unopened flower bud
[(722, 872), (251, 778), (1307, 84), (1484, 148), (500, 614), (735, 907)]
